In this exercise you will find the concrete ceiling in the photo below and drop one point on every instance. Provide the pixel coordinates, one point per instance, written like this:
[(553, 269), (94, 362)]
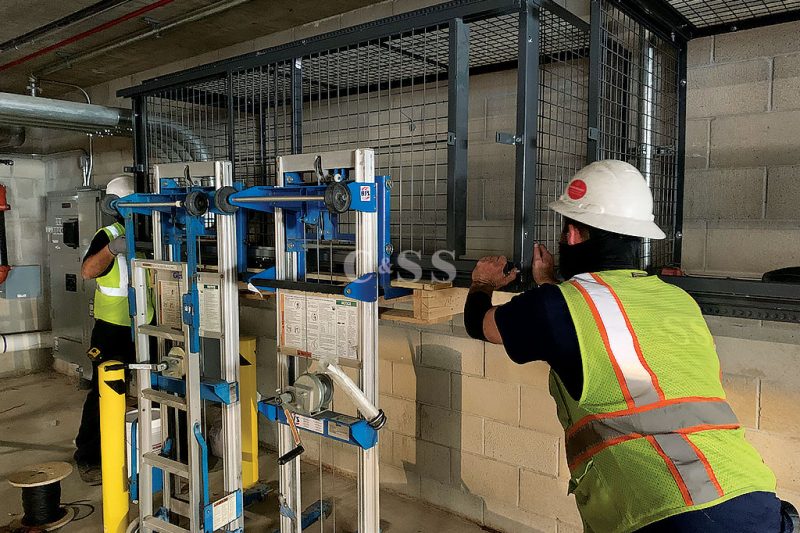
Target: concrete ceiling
[(252, 19)]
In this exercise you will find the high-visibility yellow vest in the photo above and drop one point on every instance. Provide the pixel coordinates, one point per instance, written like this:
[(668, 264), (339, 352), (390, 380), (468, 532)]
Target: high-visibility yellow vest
[(111, 292), (651, 435)]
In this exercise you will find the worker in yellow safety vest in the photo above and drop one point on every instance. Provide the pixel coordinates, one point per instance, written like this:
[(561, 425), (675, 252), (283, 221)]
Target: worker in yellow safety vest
[(105, 261), (652, 445)]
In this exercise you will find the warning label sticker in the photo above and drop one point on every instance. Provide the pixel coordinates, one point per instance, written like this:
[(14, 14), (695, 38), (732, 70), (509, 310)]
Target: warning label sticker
[(224, 511), (311, 424), (319, 325)]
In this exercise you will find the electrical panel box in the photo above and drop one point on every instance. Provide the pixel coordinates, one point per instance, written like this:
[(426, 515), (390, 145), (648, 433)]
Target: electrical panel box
[(73, 218), (24, 281)]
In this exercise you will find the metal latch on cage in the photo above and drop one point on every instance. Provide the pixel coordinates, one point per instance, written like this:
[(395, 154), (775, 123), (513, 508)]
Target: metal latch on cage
[(502, 137)]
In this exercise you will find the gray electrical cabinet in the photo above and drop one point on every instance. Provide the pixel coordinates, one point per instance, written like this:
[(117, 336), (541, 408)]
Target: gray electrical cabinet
[(73, 217)]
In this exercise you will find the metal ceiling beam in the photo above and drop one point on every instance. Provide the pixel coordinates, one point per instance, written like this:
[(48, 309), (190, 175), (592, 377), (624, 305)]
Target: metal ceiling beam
[(659, 15), (64, 22), (747, 24)]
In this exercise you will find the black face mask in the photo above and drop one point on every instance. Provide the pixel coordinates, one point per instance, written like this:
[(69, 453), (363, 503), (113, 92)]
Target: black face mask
[(598, 254)]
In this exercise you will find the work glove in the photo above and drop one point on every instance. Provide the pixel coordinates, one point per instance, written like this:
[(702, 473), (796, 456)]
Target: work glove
[(118, 245)]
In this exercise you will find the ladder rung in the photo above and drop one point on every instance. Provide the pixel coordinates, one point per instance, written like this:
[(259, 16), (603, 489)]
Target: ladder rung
[(162, 332), (156, 524), (159, 461), (165, 398)]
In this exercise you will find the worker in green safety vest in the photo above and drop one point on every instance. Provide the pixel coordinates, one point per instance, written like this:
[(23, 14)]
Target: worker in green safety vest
[(105, 261), (652, 445)]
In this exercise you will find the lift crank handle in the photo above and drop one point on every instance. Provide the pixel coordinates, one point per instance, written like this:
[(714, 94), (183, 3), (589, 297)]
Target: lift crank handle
[(298, 449)]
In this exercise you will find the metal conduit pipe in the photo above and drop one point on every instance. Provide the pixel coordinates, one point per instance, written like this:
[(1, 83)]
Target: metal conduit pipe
[(31, 340), (21, 110), (184, 137)]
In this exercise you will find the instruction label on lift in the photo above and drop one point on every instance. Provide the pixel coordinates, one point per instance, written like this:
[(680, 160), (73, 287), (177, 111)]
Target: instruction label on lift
[(224, 511), (169, 304), (210, 308), (311, 424), (319, 325)]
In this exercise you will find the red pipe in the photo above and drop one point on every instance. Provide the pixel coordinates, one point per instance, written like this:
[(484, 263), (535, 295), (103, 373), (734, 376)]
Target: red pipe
[(85, 34), (4, 268)]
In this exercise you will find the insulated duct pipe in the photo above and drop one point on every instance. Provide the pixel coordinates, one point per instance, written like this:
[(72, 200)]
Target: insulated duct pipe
[(374, 416), (4, 266), (21, 110), (32, 340)]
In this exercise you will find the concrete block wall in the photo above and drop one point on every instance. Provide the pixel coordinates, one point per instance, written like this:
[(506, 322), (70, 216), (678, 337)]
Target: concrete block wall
[(742, 156)]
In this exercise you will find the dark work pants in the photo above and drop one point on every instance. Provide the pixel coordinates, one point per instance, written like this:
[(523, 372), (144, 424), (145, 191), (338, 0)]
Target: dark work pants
[(115, 343)]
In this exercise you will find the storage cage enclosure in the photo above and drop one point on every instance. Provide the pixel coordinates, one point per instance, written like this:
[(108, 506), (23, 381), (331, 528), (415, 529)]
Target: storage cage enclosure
[(479, 110)]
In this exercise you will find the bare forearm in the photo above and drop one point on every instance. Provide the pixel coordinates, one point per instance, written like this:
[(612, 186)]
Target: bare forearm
[(94, 265)]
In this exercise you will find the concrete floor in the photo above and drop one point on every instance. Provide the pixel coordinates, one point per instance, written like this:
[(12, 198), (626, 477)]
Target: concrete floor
[(39, 417)]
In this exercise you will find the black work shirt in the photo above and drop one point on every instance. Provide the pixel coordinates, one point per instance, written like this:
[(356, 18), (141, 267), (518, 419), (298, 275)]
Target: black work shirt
[(99, 242), (537, 326)]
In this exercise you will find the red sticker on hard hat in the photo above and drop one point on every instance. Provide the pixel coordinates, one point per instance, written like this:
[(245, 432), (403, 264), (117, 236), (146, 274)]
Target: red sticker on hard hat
[(576, 189)]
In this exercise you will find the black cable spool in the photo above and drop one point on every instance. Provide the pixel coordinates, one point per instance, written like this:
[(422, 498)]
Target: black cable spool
[(41, 495), (42, 505)]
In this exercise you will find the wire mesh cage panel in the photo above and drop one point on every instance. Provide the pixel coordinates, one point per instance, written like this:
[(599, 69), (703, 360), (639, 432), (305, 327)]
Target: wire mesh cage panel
[(704, 13), (389, 94), (563, 116), (639, 116)]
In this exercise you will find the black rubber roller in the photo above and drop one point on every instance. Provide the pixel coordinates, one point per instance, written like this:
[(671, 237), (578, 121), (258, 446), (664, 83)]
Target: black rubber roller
[(222, 200), (337, 198), (106, 207), (196, 203)]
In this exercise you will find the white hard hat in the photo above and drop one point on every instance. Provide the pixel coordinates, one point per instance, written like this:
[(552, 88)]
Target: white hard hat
[(610, 195), (120, 186)]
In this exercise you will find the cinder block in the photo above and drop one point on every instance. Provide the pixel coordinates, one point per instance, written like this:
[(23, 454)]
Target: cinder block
[(779, 412), (754, 140), (728, 89), (385, 446), (385, 376), (486, 477), (735, 193), (767, 247), (451, 428), (505, 517), (699, 51), (538, 411), (697, 143), (500, 367), (522, 447), (458, 354), (486, 397), (398, 343), (429, 460), (401, 481), (781, 454), (547, 496), (475, 199), (766, 41), (742, 393), (425, 385), (499, 199), (775, 361), (783, 190), (693, 246), (456, 500), (401, 415), (786, 83)]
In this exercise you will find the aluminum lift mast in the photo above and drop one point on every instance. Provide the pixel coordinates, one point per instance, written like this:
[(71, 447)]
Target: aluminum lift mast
[(197, 364), (327, 325)]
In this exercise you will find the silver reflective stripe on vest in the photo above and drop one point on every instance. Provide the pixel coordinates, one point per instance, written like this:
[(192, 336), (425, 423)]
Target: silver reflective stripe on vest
[(692, 471), (113, 229), (659, 421), (621, 343)]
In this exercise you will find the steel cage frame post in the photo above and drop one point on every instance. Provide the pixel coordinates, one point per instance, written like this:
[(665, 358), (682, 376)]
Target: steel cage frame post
[(595, 78), (680, 155), (458, 136), (527, 131)]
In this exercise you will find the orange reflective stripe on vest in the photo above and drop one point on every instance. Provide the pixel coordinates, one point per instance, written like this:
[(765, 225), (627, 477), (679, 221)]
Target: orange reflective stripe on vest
[(663, 423)]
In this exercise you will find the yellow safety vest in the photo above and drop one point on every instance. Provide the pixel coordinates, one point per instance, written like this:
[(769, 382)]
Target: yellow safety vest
[(111, 292), (652, 435)]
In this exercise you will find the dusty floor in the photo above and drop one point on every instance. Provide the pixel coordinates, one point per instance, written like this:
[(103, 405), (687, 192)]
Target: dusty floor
[(39, 416)]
